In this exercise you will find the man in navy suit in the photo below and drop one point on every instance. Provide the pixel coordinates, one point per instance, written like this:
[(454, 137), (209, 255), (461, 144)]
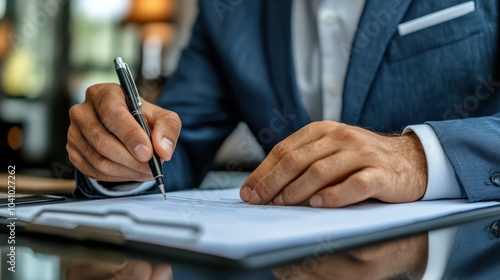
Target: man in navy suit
[(393, 100)]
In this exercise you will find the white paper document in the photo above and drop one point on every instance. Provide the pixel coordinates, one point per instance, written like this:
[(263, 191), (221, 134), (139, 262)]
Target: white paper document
[(232, 228)]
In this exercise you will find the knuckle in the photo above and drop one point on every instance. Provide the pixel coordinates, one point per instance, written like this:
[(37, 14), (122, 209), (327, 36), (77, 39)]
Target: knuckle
[(102, 165), (330, 198), (73, 158), (323, 123), (69, 150), (107, 114), (99, 137), (70, 135), (74, 112), (266, 187), (171, 120), (263, 185), (252, 181), (290, 196), (292, 160), (363, 181), (280, 150), (319, 171), (366, 151), (91, 92), (88, 153), (314, 126), (174, 118), (96, 136), (345, 132)]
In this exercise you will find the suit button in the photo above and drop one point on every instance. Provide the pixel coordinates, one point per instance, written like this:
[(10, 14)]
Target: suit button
[(495, 229), (495, 179)]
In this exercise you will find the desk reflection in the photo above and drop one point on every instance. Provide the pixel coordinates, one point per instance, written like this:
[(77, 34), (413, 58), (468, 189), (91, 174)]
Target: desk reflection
[(470, 251), (84, 269), (400, 259)]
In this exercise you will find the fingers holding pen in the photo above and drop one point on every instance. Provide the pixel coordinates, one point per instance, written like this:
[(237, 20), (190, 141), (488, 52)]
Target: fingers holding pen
[(164, 125), (94, 164), (110, 107), (87, 130), (165, 129)]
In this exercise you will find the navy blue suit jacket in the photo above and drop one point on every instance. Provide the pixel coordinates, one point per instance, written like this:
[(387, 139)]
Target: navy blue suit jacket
[(239, 66)]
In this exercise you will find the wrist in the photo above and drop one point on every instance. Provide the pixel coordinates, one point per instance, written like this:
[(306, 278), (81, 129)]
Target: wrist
[(415, 154)]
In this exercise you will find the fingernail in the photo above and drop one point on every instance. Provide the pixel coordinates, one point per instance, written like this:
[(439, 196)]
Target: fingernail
[(167, 145), (141, 152), (245, 193), (278, 200), (316, 201), (254, 198)]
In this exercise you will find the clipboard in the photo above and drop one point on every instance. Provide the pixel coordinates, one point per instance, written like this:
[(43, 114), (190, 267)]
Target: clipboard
[(177, 231), (187, 241)]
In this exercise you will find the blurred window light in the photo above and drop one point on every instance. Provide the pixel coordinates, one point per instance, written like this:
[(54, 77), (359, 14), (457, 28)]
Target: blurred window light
[(100, 10), (3, 8)]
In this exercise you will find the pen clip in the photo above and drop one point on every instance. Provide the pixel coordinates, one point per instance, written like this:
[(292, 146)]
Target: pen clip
[(137, 97)]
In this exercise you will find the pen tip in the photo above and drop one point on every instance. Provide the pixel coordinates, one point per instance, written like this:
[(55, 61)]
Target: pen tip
[(162, 189)]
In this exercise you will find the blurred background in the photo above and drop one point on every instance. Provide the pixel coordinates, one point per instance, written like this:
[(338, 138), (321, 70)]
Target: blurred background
[(52, 50)]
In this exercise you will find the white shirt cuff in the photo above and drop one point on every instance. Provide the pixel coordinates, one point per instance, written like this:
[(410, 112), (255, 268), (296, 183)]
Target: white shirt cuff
[(440, 247), (441, 182), (121, 190)]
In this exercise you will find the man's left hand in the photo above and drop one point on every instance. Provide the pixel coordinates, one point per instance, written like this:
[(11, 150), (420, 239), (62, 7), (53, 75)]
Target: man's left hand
[(334, 165)]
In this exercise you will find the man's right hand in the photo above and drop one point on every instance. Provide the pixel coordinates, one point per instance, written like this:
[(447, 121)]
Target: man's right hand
[(106, 143)]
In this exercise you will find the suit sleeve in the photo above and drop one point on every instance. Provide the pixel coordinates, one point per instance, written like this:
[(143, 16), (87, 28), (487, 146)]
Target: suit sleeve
[(473, 148), (197, 93)]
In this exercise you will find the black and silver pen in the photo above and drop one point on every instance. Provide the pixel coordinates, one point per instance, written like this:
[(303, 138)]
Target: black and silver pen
[(134, 105)]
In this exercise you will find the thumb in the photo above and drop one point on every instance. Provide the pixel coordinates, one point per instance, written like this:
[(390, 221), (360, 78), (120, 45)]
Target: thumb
[(165, 128)]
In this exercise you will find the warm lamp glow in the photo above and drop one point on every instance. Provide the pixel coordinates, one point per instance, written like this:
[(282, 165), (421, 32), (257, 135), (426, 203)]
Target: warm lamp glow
[(5, 31), (144, 11), (164, 32), (15, 138)]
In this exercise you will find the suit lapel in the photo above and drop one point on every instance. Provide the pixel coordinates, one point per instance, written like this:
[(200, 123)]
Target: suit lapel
[(377, 26), (278, 17)]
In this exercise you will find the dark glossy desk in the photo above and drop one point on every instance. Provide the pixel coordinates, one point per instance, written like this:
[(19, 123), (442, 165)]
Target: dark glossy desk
[(466, 251)]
